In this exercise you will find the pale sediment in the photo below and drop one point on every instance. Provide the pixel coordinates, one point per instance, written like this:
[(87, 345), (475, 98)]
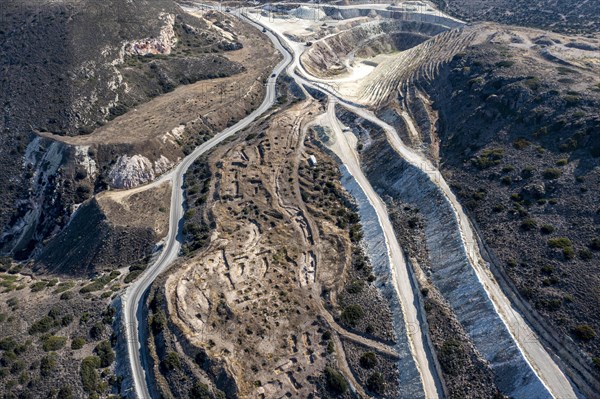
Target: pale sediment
[(410, 384)]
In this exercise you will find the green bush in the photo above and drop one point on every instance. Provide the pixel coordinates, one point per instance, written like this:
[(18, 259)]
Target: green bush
[(595, 244), (488, 158), (552, 304), (13, 303), (547, 269), (584, 332), (42, 326), (560, 242), (104, 351), (586, 254), (351, 314), (569, 253), (355, 287), (564, 244), (88, 373), (505, 64), (62, 287), (171, 362), (53, 343), (356, 233), (368, 360), (335, 381), (551, 173), (96, 331), (476, 81), (55, 312), (132, 276), (200, 391), (532, 82), (65, 393), (527, 172), (23, 378), (66, 320), (528, 224), (330, 347), (48, 364), (18, 366), (38, 286), (7, 344), (521, 143), (100, 282), (65, 296), (547, 229), (159, 322), (572, 100), (451, 352), (77, 343), (376, 383)]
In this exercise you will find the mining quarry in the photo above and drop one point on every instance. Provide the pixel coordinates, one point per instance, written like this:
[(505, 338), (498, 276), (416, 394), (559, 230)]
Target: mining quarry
[(299, 200)]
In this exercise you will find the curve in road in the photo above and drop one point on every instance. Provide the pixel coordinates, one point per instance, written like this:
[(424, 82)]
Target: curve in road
[(529, 345), (132, 301), (135, 294)]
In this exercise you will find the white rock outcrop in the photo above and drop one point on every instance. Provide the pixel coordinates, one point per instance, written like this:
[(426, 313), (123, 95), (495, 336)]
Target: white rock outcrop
[(163, 44), (83, 159), (133, 171)]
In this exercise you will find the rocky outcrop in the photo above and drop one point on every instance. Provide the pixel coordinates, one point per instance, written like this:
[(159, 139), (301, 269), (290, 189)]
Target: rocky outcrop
[(163, 44), (132, 171), (48, 197)]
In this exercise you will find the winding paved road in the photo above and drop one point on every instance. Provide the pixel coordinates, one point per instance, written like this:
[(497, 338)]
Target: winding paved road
[(133, 299)]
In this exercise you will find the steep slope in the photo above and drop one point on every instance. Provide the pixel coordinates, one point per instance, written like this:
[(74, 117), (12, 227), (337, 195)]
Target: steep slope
[(147, 49), (511, 119), (114, 230)]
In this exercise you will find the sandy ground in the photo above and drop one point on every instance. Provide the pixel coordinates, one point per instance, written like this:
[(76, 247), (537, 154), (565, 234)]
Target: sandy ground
[(263, 264), (145, 206)]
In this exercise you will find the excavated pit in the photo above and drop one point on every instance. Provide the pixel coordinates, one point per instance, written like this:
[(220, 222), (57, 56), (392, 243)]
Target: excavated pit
[(336, 54)]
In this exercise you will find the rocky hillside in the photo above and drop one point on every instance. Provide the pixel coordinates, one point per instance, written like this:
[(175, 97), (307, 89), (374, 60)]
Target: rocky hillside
[(112, 230), (60, 77), (567, 16), (512, 120)]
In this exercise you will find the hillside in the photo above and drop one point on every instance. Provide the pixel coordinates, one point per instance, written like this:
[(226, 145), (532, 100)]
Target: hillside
[(511, 119), (146, 50), (566, 16)]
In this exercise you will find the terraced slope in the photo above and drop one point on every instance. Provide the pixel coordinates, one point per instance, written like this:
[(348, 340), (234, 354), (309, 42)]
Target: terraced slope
[(261, 297), (422, 60), (331, 55)]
